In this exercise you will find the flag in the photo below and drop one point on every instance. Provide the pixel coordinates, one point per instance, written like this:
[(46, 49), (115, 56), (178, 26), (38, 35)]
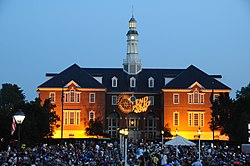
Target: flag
[(212, 96), (13, 126)]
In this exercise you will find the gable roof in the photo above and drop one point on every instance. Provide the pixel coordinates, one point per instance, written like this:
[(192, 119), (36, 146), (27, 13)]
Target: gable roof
[(181, 79), (191, 75), (75, 73)]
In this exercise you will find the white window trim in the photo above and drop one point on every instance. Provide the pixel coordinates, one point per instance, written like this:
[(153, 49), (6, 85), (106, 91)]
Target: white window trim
[(76, 97), (132, 79), (201, 121), (112, 100), (54, 98), (72, 101), (200, 95), (114, 82), (90, 112), (177, 119), (178, 98), (153, 98), (66, 118), (90, 98), (149, 82)]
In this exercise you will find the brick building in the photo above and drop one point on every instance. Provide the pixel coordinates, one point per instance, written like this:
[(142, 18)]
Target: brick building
[(140, 99)]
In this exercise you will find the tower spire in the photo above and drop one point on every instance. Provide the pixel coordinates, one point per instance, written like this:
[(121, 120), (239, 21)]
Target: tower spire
[(132, 11), (132, 65)]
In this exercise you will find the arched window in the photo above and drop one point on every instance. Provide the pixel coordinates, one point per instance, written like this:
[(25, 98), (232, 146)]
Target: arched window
[(151, 82), (114, 81), (132, 82), (196, 97), (92, 115)]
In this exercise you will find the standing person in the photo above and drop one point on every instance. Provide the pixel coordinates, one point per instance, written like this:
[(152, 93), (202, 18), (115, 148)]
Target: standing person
[(197, 163), (164, 159)]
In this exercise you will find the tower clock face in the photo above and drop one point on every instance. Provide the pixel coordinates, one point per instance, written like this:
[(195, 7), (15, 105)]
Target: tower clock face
[(132, 37)]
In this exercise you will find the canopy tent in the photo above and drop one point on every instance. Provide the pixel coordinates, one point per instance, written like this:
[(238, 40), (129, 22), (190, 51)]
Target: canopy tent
[(180, 141)]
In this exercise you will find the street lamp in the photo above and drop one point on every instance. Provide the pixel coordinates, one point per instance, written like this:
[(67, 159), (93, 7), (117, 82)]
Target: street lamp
[(121, 132), (162, 138), (126, 146), (19, 117), (199, 135)]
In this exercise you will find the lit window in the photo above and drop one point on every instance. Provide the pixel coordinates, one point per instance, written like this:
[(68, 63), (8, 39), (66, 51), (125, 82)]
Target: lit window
[(176, 98), (114, 82), (78, 97), (151, 82), (196, 98), (92, 97), (52, 96), (152, 100), (132, 82), (114, 100), (92, 115), (66, 97), (176, 119), (71, 117), (196, 119), (72, 96), (202, 98), (190, 99)]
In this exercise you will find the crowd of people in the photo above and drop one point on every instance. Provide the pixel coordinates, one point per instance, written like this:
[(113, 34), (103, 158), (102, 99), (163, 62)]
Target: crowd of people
[(109, 153)]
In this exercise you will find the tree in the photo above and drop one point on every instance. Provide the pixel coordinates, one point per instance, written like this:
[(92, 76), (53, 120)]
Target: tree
[(167, 131), (232, 117), (242, 108), (40, 121), (222, 114), (11, 99), (95, 128)]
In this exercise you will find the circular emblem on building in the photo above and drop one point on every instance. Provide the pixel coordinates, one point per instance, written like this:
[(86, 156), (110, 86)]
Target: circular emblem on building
[(124, 103)]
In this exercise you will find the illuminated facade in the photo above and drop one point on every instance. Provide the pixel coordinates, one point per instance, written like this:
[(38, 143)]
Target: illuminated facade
[(140, 99)]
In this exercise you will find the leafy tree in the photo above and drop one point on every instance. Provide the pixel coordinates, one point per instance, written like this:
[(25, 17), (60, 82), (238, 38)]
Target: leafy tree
[(167, 131), (231, 117), (222, 110), (40, 121), (242, 109), (95, 128), (11, 99)]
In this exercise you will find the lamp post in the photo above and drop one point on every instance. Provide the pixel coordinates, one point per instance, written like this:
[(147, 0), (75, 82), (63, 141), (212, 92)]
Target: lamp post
[(126, 146), (19, 117), (199, 136), (121, 132), (162, 138)]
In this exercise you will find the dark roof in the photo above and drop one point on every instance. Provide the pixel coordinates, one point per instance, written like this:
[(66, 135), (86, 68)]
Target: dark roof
[(132, 32), (141, 78), (132, 19), (75, 73), (192, 74), (182, 79)]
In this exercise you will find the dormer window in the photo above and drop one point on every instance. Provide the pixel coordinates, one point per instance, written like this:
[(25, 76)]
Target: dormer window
[(114, 82), (132, 82), (151, 82)]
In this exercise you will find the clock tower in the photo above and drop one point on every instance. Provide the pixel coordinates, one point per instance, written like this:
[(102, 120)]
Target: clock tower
[(132, 65)]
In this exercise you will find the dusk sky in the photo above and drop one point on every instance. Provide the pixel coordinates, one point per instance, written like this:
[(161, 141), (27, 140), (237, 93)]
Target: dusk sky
[(47, 36)]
